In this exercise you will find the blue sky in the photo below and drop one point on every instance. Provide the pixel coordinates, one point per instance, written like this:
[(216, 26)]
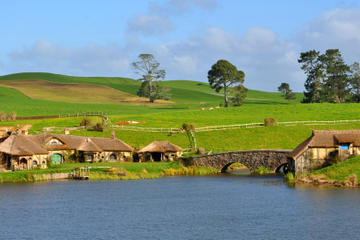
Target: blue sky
[(102, 38)]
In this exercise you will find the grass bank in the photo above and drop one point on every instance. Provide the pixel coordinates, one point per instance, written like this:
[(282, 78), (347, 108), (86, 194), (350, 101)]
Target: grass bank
[(343, 174), (109, 171)]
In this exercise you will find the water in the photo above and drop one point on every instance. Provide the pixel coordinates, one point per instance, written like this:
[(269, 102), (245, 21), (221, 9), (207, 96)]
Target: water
[(218, 207)]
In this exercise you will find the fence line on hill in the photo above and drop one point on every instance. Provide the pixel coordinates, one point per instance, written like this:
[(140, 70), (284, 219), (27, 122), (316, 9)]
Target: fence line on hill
[(227, 127), (84, 114)]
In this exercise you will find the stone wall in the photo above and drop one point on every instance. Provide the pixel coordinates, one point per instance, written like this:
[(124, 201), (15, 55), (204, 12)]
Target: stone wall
[(252, 159)]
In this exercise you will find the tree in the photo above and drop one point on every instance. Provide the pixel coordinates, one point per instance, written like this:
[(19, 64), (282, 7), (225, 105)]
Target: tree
[(290, 96), (313, 68), (239, 93), (284, 88), (148, 68), (336, 82), (190, 133), (159, 92), (355, 81), (223, 75)]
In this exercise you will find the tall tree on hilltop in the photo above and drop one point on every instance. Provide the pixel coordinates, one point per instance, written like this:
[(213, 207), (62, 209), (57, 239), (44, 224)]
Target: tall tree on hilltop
[(223, 75), (314, 70), (355, 81), (148, 68), (336, 82)]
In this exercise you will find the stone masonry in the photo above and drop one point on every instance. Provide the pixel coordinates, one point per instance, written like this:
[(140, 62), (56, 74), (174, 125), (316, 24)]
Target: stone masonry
[(252, 159)]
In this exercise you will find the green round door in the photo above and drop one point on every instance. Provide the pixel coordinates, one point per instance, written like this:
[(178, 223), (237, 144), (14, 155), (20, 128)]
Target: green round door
[(56, 158)]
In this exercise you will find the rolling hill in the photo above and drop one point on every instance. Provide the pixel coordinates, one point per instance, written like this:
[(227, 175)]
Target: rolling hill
[(182, 91)]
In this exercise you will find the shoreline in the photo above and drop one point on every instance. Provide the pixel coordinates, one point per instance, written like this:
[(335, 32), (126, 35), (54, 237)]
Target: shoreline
[(105, 174), (321, 180)]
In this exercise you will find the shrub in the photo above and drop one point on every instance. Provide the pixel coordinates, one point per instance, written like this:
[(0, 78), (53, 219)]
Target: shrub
[(270, 122), (201, 151), (85, 122), (11, 116), (100, 127), (2, 116)]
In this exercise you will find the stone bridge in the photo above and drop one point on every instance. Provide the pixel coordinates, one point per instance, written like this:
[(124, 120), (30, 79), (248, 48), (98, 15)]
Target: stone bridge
[(252, 159)]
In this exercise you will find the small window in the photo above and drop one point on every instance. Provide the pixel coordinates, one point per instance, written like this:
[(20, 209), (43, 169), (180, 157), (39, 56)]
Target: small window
[(113, 157), (344, 147), (54, 142)]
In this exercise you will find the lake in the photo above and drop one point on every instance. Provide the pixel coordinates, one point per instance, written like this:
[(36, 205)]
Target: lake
[(212, 207)]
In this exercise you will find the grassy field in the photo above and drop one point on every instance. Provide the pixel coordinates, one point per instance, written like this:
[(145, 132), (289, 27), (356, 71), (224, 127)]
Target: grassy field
[(75, 93), (189, 98)]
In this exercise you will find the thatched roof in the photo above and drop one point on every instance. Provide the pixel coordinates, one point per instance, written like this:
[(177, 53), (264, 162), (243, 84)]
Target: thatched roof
[(163, 147), (327, 139), (36, 144), (21, 145), (112, 144), (87, 145)]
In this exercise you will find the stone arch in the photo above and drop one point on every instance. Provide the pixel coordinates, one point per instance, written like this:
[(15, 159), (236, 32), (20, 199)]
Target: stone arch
[(224, 168), (283, 168), (252, 159)]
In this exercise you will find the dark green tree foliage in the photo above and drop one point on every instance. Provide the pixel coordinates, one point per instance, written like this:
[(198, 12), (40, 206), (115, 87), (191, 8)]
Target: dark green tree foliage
[(336, 80), (224, 76), (239, 93), (159, 92), (355, 81), (314, 70), (284, 88), (328, 77), (290, 96), (148, 68)]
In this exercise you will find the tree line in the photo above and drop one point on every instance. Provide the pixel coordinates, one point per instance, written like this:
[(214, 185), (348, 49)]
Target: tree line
[(329, 78)]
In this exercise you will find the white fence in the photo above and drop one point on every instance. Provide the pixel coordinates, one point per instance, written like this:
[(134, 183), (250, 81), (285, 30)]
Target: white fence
[(228, 127)]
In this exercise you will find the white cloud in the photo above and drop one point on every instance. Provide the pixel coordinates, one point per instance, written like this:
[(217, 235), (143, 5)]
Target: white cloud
[(338, 28), (157, 20), (149, 24), (88, 60)]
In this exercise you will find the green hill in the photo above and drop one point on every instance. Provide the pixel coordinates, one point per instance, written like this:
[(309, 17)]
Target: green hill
[(182, 91), (192, 102)]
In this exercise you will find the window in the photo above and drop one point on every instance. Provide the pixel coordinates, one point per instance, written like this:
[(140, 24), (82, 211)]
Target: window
[(344, 146), (54, 142)]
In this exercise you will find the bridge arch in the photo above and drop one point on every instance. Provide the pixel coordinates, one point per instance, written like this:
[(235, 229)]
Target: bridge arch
[(252, 159), (226, 167)]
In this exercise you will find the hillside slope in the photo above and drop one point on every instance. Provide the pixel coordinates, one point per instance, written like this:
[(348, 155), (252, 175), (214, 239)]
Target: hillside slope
[(182, 91)]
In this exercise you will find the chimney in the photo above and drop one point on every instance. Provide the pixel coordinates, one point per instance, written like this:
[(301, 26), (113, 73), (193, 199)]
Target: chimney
[(67, 131), (113, 134)]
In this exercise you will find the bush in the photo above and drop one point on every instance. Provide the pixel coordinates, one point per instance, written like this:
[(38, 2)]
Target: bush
[(2, 116), (11, 116), (201, 151), (85, 122), (270, 122), (100, 127)]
